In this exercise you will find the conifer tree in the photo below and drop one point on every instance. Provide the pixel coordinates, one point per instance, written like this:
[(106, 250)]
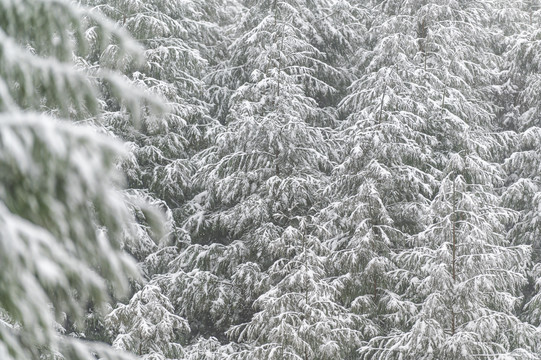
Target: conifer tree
[(300, 316), (291, 37), (387, 175), (262, 178), (148, 326), (174, 65), (522, 110), (180, 42), (467, 280), (63, 219), (461, 247), (262, 174)]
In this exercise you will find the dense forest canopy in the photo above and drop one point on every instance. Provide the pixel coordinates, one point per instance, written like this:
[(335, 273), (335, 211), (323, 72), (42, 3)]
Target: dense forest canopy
[(270, 179)]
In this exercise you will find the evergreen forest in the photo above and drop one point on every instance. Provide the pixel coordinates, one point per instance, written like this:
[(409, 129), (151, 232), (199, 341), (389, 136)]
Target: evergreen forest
[(270, 179)]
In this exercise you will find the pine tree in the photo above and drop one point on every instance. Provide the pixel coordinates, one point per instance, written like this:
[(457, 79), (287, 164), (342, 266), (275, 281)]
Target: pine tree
[(63, 219), (147, 326), (290, 37), (263, 172), (180, 43), (522, 109), (458, 268), (300, 317), (173, 66), (387, 175), (467, 280), (261, 179)]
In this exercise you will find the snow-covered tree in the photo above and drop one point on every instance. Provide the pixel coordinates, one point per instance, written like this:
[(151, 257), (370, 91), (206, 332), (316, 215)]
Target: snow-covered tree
[(360, 236), (263, 172), (180, 40), (263, 177), (424, 99), (466, 280), (63, 219), (174, 37), (521, 105), (300, 316), (387, 174), (288, 37), (147, 326)]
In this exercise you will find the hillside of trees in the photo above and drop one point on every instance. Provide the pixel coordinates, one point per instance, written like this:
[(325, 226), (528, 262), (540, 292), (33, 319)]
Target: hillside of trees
[(270, 179)]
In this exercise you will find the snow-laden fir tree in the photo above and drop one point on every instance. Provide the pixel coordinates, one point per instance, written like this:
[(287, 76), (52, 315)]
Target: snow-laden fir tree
[(465, 280), (523, 193), (386, 178), (264, 171), (174, 37), (292, 37), (262, 178), (459, 271), (148, 327), (300, 316), (180, 40), (63, 219)]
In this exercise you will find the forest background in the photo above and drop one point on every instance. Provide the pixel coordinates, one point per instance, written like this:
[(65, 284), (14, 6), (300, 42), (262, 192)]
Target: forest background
[(283, 179)]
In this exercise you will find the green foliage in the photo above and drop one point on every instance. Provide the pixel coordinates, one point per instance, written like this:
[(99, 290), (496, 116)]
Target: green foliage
[(341, 179), (64, 221)]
